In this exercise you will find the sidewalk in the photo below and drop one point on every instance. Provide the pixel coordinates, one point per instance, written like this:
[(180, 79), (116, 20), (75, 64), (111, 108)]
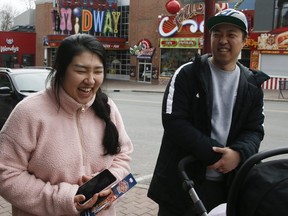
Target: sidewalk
[(136, 202)]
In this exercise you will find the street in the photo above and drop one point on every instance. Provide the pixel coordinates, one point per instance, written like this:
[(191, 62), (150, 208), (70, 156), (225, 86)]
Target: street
[(141, 112), (276, 124)]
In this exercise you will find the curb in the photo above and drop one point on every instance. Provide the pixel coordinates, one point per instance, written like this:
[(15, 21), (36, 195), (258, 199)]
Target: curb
[(142, 186), (162, 92), (275, 100), (133, 90)]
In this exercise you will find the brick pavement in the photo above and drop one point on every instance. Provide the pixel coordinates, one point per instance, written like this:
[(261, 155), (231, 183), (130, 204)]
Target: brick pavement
[(134, 203)]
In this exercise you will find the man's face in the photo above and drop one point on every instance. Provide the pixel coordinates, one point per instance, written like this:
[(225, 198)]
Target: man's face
[(226, 43)]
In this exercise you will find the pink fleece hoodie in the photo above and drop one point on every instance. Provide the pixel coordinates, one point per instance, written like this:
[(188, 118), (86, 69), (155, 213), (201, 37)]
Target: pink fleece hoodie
[(44, 151)]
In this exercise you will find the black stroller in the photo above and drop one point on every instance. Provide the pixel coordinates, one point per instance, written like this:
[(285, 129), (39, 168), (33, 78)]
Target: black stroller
[(260, 187)]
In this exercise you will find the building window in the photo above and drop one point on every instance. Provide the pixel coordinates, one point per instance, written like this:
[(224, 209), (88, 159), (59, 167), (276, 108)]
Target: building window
[(245, 57), (124, 21), (28, 60), (9, 60), (118, 62), (281, 14), (171, 59), (51, 56)]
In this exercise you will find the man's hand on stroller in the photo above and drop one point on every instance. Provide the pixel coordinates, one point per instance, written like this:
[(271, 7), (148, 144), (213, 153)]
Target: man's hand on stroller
[(229, 161)]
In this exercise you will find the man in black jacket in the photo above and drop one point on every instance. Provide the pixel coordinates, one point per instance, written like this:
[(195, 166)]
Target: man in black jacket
[(212, 109)]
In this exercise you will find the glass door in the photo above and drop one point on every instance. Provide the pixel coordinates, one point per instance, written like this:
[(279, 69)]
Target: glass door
[(144, 72)]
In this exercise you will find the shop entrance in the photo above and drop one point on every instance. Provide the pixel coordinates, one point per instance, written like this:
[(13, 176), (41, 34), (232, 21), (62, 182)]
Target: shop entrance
[(144, 72)]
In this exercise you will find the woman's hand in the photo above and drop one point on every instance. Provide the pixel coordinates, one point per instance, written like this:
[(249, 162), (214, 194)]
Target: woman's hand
[(90, 203), (84, 179)]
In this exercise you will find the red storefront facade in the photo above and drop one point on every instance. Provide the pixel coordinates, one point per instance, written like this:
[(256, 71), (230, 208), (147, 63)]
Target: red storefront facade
[(17, 49)]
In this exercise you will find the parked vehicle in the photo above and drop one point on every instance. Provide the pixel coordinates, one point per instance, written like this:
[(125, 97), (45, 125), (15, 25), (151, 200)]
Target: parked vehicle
[(16, 84)]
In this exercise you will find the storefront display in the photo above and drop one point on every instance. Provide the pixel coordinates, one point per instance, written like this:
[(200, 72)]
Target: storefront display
[(172, 58)]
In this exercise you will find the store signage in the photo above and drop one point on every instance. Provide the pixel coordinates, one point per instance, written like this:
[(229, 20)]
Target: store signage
[(9, 41), (268, 41), (9, 47), (179, 43), (191, 15), (198, 1), (114, 46), (91, 3), (142, 45), (86, 16), (251, 43), (108, 42), (195, 26), (146, 53), (187, 16)]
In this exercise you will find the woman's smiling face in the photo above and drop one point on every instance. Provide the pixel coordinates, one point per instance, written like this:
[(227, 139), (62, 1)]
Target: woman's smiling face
[(83, 77)]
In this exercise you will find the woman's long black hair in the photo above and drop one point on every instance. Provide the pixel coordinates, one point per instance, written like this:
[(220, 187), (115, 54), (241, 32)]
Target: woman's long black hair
[(74, 45)]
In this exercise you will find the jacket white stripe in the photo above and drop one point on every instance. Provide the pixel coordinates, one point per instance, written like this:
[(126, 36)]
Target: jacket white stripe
[(170, 95)]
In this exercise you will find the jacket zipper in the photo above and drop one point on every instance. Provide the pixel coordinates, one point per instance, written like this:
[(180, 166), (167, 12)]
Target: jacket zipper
[(81, 110)]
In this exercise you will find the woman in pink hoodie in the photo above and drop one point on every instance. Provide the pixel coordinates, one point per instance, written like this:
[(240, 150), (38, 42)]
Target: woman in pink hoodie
[(57, 139)]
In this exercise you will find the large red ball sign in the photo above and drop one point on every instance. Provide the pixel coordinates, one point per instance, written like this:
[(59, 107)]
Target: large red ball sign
[(173, 6)]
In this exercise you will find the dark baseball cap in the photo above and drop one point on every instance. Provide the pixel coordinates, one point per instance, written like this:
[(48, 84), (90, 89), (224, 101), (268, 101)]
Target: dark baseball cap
[(230, 16)]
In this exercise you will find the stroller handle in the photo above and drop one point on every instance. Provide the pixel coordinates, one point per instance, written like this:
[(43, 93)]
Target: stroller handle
[(182, 166), (188, 185)]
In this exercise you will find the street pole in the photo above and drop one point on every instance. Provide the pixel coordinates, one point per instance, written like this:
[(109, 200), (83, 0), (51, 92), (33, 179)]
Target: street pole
[(209, 11)]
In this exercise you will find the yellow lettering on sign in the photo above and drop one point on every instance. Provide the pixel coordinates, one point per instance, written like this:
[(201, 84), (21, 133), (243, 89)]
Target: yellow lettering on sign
[(108, 23), (116, 16)]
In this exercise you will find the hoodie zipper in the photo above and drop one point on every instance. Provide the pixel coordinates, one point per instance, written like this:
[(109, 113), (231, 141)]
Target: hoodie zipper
[(81, 110)]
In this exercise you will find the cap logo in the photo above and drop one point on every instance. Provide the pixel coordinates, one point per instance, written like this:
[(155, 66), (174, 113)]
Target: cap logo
[(228, 12)]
